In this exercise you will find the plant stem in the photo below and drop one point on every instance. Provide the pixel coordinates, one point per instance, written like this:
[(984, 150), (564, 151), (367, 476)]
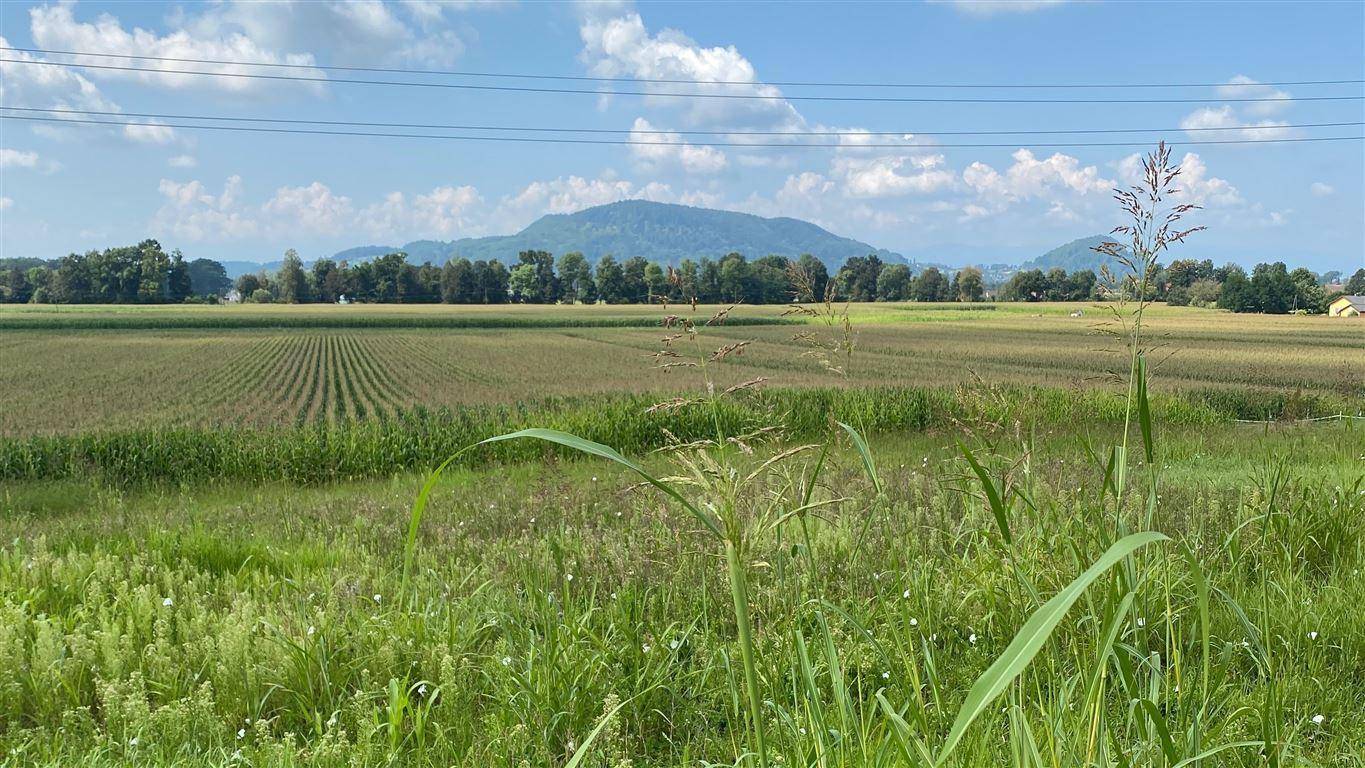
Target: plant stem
[(740, 592)]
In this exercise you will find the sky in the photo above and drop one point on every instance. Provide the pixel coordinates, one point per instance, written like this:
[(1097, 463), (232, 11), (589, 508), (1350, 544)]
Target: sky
[(249, 196)]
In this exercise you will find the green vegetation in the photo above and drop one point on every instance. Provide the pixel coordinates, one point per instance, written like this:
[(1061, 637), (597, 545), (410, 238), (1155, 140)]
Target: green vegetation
[(546, 594), (228, 561)]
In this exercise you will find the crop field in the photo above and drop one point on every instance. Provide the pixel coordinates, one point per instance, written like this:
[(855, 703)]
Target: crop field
[(224, 539), (263, 366)]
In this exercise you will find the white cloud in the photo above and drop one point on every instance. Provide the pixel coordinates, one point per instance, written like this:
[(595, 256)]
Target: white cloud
[(656, 148), (182, 161), (1194, 185), (1321, 189), (1243, 87), (149, 133), (621, 46), (6, 203), (992, 7), (13, 158), (37, 85), (191, 212), (312, 209), (359, 32), (445, 212), (55, 27), (893, 175), (1226, 125), (1030, 177)]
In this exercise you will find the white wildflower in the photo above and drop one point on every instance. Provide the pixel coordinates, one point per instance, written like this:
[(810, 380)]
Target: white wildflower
[(378, 597), (168, 602), (241, 733), (972, 638), (1318, 719)]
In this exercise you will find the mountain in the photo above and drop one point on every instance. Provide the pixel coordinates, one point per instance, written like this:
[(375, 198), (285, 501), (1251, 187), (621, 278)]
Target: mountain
[(660, 232), (1075, 255)]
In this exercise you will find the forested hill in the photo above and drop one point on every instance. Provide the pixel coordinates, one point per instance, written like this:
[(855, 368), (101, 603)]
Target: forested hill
[(1074, 256), (660, 232)]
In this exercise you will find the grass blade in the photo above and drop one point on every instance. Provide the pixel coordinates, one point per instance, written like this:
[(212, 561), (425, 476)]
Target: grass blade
[(1031, 637)]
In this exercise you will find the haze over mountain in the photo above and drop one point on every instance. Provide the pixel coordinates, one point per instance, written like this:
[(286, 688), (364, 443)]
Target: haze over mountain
[(668, 233), (660, 232)]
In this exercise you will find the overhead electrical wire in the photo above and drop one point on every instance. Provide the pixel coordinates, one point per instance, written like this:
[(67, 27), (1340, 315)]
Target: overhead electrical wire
[(667, 132), (660, 80), (674, 94), (621, 142)]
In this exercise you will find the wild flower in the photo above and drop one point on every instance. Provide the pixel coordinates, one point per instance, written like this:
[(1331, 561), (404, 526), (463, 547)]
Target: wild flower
[(972, 638), (1318, 719), (568, 577), (167, 602), (241, 733), (1313, 635), (133, 742), (378, 597), (507, 661)]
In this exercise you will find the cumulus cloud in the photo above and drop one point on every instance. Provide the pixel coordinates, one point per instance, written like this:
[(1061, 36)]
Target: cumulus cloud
[(445, 212), (1195, 184), (311, 209), (1029, 177), (13, 158), (191, 212), (893, 175), (1223, 124), (1243, 87), (621, 46), (658, 148), (360, 31), (56, 27), (1321, 189), (182, 161), (1244, 120), (149, 133)]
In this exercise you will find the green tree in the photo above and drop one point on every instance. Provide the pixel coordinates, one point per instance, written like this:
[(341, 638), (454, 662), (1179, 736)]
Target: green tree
[(1028, 285), (656, 282), (1274, 290), (895, 283), (930, 285), (153, 272), (815, 278), (1308, 293), (968, 285), (633, 277), (292, 283), (768, 281), (1356, 285), (208, 278), (857, 279), (611, 280), (540, 285), (326, 281), (575, 279), (1237, 293)]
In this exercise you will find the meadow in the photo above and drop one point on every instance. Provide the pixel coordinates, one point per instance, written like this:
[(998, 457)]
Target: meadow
[(968, 543)]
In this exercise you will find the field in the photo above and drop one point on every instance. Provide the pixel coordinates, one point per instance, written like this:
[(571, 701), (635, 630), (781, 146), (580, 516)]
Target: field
[(219, 549), (173, 366)]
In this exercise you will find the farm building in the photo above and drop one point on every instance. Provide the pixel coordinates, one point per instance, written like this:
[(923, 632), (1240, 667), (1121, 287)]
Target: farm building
[(1347, 306)]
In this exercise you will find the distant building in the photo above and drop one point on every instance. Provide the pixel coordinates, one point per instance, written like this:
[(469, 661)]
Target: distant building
[(1347, 306), (233, 296)]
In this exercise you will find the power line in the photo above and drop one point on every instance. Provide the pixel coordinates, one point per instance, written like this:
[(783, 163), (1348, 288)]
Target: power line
[(673, 94), (666, 132), (660, 80), (620, 142)]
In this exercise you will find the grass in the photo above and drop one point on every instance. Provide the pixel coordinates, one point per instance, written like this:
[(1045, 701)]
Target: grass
[(80, 381), (548, 594)]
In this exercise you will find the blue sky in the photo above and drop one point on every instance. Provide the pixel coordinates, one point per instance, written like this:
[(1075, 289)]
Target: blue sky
[(250, 196)]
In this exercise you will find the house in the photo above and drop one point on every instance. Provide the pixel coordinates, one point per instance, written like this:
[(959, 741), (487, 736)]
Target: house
[(1347, 306)]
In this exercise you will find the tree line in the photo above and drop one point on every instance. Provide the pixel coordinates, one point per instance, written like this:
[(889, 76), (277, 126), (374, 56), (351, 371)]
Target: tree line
[(145, 273)]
